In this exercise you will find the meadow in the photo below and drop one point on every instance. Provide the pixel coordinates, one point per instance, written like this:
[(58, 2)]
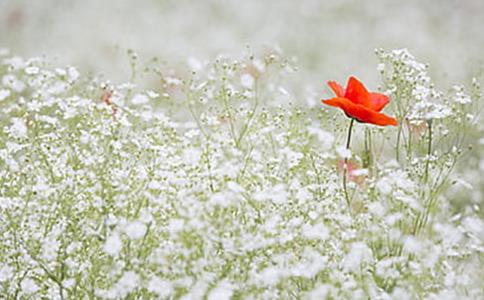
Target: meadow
[(241, 175)]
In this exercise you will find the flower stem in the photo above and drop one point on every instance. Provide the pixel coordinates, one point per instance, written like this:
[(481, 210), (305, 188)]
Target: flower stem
[(368, 155), (429, 151), (345, 166)]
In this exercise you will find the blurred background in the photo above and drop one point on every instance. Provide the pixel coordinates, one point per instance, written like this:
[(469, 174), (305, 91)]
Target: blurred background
[(330, 38)]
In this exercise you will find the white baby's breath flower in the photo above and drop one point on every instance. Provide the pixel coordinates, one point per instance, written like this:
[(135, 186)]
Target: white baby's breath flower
[(68, 283), (113, 245), (359, 172), (319, 292), (247, 80), (278, 194), (32, 70), (359, 254), (325, 138), (161, 288), (343, 152), (235, 187), (314, 232), (4, 93), (57, 88), (173, 80), (377, 209), (380, 67), (303, 195), (152, 94), (412, 245), (401, 293), (425, 110), (6, 272), (139, 99), (175, 226), (18, 128), (223, 291), (15, 63), (73, 74), (270, 276), (12, 82), (126, 284), (474, 225), (29, 286), (194, 64)]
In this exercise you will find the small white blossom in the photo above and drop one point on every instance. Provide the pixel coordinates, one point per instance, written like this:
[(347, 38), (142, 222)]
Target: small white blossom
[(317, 231), (161, 288), (194, 64), (18, 128), (6, 272), (113, 245), (135, 230), (4, 93), (73, 74), (343, 152), (31, 70), (223, 291), (247, 80), (359, 254), (139, 99), (29, 286), (126, 284)]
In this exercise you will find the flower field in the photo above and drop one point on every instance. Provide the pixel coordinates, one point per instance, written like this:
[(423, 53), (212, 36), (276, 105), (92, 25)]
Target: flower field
[(226, 178)]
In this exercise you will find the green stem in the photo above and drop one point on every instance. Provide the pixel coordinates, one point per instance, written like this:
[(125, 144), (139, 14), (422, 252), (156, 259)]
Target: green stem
[(423, 218), (229, 116), (345, 166), (368, 150), (397, 149), (209, 167), (429, 151)]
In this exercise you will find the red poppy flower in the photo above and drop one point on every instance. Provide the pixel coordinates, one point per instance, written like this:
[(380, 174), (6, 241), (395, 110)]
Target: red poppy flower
[(360, 104)]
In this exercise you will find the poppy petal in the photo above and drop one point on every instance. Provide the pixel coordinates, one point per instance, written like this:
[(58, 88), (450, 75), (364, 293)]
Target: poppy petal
[(378, 101), (361, 113), (337, 88), (356, 92)]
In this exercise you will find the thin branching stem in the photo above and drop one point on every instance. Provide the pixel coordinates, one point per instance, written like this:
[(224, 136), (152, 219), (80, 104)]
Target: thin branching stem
[(429, 152), (345, 166)]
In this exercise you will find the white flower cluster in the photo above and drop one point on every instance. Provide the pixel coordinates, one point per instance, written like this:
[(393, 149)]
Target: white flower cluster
[(111, 192), (409, 83)]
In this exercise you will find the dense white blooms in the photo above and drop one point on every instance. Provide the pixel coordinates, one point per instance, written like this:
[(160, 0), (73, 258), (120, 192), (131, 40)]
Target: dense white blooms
[(413, 85), (208, 186), (359, 254), (425, 110), (317, 231), (161, 288), (126, 284)]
